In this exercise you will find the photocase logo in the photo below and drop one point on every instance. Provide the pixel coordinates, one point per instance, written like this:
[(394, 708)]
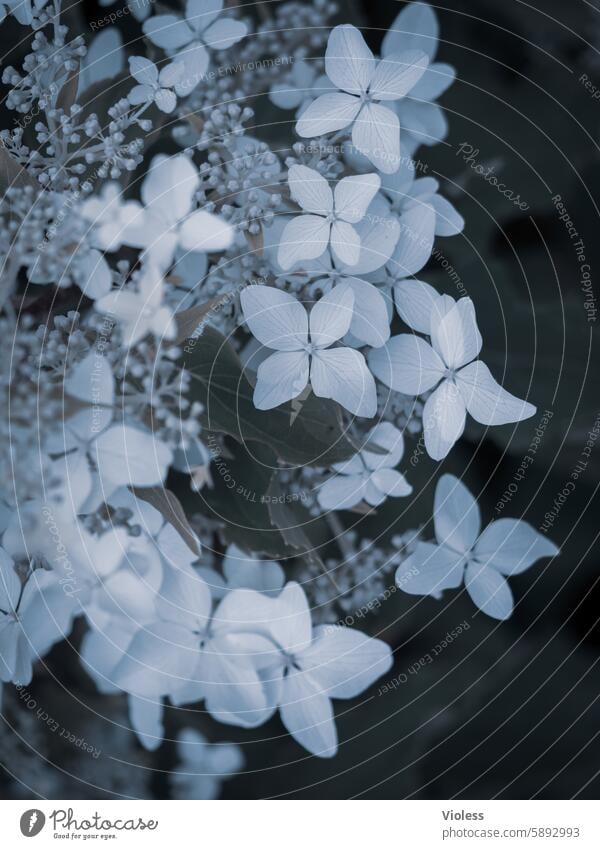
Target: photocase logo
[(32, 822)]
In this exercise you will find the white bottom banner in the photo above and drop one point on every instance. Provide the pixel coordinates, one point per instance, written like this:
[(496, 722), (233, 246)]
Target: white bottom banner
[(297, 824)]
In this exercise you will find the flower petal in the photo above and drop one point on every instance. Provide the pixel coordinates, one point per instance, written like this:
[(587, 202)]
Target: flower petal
[(354, 194), (275, 318), (456, 336), (195, 61), (387, 436), (416, 26), (396, 75), (391, 483), (344, 662), (167, 31), (331, 316), (512, 546), (415, 244), (145, 716), (280, 377), (376, 134), (169, 187), (415, 301), (407, 364), (349, 63), (329, 113), (342, 374), (203, 231), (429, 570), (224, 33), (304, 237), (125, 455), (310, 190), (345, 243), (341, 492), (443, 419), (307, 714), (144, 71), (370, 320), (434, 82), (489, 590), (456, 515), (165, 100), (486, 400)]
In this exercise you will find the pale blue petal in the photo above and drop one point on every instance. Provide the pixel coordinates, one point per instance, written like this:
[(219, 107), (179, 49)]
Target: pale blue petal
[(342, 374), (331, 316), (512, 546), (407, 364), (329, 113), (376, 134), (444, 417), (486, 400), (349, 63), (310, 190), (280, 377), (415, 27), (345, 662), (456, 336), (429, 570), (489, 590), (456, 515), (398, 74)]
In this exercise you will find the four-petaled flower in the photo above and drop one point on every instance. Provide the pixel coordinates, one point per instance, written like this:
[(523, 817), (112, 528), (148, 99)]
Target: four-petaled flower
[(154, 87), (281, 322), (368, 475), (411, 365), (331, 216), (364, 82), (483, 559), (188, 38)]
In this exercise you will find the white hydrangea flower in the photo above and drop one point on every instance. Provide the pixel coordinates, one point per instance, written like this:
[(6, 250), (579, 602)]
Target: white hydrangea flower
[(188, 38), (281, 322), (141, 312), (307, 667), (331, 216), (167, 220), (154, 87), (463, 552), (364, 83), (462, 384), (369, 475)]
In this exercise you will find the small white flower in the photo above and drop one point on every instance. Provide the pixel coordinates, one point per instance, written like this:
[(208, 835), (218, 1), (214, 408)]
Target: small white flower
[(368, 476), (154, 87), (482, 559), (281, 322), (188, 38), (331, 216), (411, 365), (309, 667), (364, 83), (141, 312), (167, 219)]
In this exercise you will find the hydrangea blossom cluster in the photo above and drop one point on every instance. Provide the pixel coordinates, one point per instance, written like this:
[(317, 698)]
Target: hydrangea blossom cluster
[(236, 292)]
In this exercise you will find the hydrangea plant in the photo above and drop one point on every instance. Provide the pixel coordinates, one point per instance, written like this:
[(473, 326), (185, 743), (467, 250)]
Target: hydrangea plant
[(214, 347)]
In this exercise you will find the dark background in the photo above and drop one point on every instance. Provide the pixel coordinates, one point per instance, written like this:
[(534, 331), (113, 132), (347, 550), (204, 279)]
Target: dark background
[(507, 710)]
